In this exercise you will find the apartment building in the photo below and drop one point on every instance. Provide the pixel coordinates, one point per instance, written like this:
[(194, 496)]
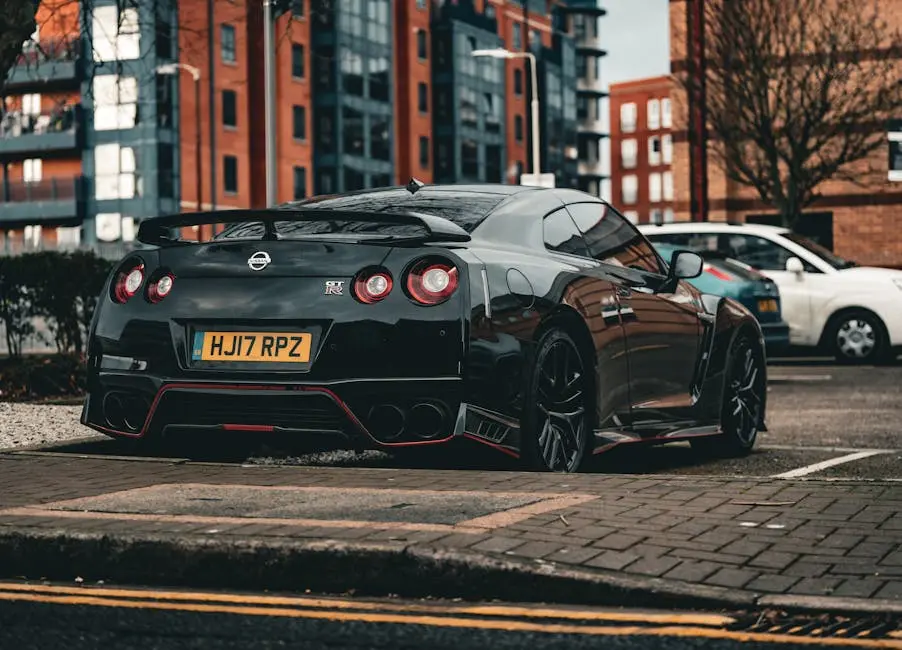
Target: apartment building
[(642, 149), (159, 109)]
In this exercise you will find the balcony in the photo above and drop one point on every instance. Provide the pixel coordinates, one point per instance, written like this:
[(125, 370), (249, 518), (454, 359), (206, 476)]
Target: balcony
[(587, 7), (47, 200), (592, 127), (593, 87), (46, 66), (24, 134), (590, 46), (593, 169)]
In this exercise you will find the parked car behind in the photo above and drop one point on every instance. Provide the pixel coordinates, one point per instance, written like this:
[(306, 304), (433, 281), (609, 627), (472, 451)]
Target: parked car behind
[(724, 276), (852, 312)]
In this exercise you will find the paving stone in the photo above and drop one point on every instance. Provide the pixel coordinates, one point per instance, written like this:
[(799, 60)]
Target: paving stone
[(816, 586), (770, 583), (692, 570), (773, 560), (577, 555), (590, 532), (891, 590), (497, 544), (737, 578), (859, 587), (536, 550), (802, 569), (744, 547), (614, 560), (653, 566), (618, 541)]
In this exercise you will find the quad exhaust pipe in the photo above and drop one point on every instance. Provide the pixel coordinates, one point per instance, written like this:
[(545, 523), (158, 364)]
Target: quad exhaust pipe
[(124, 411)]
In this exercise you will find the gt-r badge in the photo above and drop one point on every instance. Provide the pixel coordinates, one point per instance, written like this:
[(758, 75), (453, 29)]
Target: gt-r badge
[(259, 261), (334, 287)]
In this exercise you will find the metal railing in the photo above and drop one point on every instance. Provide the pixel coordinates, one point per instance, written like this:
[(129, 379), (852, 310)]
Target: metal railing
[(48, 51), (16, 123), (47, 189)]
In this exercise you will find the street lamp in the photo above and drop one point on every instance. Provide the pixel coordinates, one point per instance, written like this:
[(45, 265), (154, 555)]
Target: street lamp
[(173, 69), (501, 53)]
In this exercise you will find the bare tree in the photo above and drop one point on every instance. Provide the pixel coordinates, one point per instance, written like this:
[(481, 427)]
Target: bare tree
[(17, 24), (797, 91)]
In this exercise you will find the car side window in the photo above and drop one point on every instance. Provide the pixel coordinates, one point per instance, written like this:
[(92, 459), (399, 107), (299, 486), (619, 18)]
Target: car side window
[(613, 239), (562, 235), (758, 252)]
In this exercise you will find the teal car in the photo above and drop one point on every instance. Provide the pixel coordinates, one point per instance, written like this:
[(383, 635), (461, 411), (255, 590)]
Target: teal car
[(724, 276)]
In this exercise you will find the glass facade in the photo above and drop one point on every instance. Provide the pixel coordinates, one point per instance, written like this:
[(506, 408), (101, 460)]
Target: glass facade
[(469, 97), (558, 110), (352, 98)]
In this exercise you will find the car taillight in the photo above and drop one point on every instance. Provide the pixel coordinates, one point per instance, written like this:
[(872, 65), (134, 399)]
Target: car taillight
[(430, 283), (717, 273), (160, 288), (128, 283), (372, 286)]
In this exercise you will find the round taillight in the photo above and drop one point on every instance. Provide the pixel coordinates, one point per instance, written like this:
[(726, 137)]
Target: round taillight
[(128, 283), (160, 288), (372, 287), (430, 284)]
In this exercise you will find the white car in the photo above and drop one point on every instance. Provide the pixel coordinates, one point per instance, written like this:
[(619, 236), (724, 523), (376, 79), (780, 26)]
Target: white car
[(854, 312)]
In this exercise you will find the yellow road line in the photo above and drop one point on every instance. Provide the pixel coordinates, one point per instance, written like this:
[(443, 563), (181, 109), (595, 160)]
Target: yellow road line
[(450, 622), (713, 620)]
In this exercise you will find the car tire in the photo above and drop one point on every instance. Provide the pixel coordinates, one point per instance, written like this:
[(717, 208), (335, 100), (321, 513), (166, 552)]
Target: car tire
[(858, 337), (556, 426), (743, 399)]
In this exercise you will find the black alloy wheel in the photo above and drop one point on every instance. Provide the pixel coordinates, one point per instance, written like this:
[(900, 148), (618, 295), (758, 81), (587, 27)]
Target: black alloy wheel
[(743, 401), (557, 413)]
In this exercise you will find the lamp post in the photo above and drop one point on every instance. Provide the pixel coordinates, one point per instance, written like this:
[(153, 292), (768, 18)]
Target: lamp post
[(173, 69), (501, 53), (269, 74)]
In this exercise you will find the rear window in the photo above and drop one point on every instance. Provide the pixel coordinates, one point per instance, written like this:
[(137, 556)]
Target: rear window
[(466, 209)]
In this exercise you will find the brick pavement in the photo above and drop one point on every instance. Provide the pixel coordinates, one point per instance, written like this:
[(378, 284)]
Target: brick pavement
[(750, 535)]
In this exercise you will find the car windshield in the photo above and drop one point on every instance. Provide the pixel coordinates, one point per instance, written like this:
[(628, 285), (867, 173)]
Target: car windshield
[(822, 252)]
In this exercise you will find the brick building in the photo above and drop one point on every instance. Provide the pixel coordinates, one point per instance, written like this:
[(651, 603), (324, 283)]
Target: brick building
[(859, 221), (642, 149), (100, 128)]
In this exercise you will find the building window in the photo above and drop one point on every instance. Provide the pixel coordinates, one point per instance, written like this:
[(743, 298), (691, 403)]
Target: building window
[(632, 216), (469, 157), (654, 114), (421, 4), (230, 174), (629, 150), (115, 36), (654, 150), (228, 44), (657, 216), (667, 148), (300, 183), (666, 118), (297, 61), (654, 188), (297, 8), (32, 170), (115, 102), (516, 36), (424, 152), (667, 182), (668, 215), (628, 118), (421, 45), (518, 128), (518, 82), (114, 172), (229, 108), (299, 122), (629, 188), (423, 97), (31, 104)]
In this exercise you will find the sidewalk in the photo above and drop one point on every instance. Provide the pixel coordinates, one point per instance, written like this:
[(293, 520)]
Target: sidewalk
[(599, 539)]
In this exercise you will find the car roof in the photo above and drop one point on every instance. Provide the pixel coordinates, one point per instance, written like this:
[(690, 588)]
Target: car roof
[(712, 226)]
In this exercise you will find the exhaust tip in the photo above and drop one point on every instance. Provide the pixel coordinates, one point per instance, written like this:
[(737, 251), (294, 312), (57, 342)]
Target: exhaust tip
[(427, 420), (387, 421), (125, 412)]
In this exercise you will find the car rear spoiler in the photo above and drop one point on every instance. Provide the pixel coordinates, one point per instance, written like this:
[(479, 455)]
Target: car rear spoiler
[(157, 231)]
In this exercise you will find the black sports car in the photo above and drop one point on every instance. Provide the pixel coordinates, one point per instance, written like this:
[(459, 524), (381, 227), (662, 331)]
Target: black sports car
[(536, 321)]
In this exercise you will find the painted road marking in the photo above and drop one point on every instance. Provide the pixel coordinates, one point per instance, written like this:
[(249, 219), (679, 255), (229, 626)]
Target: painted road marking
[(678, 626), (817, 467), (798, 377)]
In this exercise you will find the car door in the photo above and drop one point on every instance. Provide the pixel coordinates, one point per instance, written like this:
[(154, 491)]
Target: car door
[(593, 293), (797, 296), (662, 324)]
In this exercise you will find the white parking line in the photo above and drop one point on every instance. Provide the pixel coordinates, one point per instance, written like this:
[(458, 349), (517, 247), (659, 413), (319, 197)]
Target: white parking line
[(799, 377), (817, 467)]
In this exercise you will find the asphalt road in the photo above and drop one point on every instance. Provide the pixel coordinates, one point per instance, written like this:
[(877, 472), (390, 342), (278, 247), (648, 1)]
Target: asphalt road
[(148, 620), (824, 421)]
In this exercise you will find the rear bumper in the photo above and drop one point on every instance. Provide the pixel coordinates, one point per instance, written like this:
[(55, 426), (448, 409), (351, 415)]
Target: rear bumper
[(776, 336), (361, 413)]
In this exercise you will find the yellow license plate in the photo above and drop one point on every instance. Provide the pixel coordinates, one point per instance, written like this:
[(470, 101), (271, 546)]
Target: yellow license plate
[(282, 347), (767, 305)]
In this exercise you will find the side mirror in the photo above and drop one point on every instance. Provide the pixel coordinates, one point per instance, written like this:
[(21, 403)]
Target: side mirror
[(685, 265), (794, 265)]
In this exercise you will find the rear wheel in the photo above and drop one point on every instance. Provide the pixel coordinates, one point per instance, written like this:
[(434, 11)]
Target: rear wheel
[(743, 402), (858, 336), (558, 407)]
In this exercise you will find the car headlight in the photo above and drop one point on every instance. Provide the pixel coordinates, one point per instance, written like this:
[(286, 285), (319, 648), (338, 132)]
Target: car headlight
[(898, 282)]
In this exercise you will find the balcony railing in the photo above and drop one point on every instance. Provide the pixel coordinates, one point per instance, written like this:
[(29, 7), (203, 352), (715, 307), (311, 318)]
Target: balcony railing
[(16, 123), (52, 62), (47, 189), (48, 51)]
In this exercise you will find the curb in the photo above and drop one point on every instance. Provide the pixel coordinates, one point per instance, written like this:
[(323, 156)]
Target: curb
[(368, 569)]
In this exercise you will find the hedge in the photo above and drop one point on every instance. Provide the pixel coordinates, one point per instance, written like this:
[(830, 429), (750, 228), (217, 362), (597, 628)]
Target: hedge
[(62, 289)]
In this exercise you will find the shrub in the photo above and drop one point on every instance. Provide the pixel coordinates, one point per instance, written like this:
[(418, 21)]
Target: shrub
[(29, 377)]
